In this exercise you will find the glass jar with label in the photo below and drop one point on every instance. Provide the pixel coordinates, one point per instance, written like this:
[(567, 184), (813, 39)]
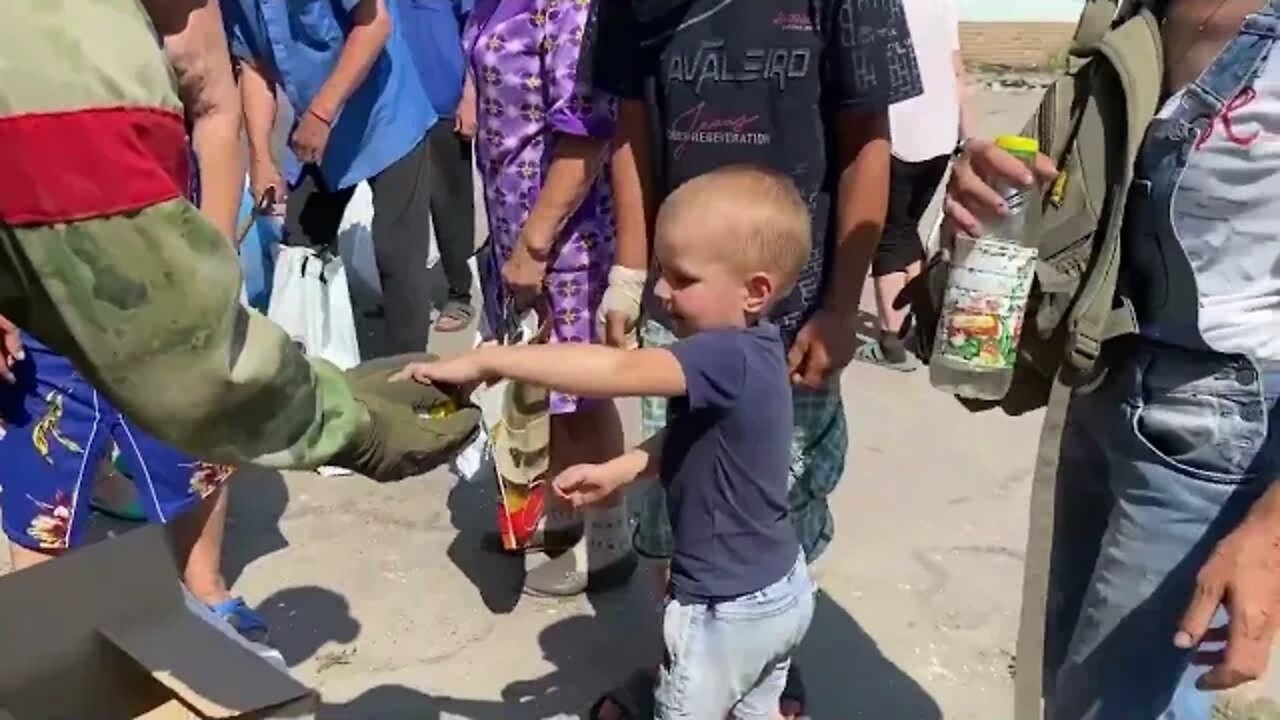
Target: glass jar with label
[(986, 297)]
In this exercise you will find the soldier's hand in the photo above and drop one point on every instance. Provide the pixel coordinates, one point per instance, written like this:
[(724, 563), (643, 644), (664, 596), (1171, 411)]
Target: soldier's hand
[(414, 428), (11, 352), (971, 193)]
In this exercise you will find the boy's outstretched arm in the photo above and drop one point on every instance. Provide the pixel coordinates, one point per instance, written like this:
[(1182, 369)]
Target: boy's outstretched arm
[(574, 369), (589, 484)]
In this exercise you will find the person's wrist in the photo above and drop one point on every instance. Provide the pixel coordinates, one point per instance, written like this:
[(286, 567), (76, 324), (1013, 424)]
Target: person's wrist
[(537, 245), (1267, 509)]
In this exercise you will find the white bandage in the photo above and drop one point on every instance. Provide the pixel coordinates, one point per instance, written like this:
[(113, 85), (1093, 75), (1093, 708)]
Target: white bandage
[(626, 287)]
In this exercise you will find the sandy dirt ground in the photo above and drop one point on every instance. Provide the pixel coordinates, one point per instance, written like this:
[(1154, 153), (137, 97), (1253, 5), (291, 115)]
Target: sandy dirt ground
[(384, 599)]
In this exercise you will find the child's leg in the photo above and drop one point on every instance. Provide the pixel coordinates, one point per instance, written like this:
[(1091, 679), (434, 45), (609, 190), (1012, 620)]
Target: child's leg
[(787, 629), (189, 497), (732, 657)]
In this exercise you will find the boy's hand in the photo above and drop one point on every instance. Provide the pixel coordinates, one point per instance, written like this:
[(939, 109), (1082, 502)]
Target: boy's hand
[(463, 370), (583, 485)]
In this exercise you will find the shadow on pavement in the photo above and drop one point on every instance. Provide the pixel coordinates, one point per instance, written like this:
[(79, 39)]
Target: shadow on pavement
[(257, 501), (304, 619), (845, 673), (498, 576)]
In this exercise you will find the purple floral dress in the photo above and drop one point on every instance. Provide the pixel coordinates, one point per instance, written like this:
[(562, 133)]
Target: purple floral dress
[(524, 56)]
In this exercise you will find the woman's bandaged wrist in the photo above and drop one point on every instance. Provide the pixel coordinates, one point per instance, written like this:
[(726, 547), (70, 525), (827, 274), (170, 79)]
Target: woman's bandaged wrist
[(626, 288)]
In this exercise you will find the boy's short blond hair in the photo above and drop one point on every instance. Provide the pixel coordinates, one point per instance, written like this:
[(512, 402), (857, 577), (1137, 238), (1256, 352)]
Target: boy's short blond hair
[(755, 213)]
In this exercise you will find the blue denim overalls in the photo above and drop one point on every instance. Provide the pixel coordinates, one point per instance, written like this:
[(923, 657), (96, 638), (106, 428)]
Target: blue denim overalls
[(1164, 457)]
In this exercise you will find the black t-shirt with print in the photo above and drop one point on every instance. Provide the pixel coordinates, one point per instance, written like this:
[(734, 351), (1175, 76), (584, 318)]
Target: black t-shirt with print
[(754, 81)]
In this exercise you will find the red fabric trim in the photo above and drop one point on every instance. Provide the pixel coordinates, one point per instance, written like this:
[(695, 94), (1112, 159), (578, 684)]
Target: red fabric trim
[(63, 167)]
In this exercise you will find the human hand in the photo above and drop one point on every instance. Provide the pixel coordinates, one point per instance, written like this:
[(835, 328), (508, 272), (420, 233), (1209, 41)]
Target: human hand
[(523, 274), (265, 177), (619, 311), (1242, 575), (970, 194), (583, 485), (462, 371), (823, 348), (464, 118), (311, 137), (11, 352)]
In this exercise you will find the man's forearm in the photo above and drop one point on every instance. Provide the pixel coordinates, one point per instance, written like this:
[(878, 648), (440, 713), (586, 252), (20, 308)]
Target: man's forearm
[(967, 125), (196, 47), (862, 144), (239, 391), (216, 139), (370, 28), (258, 96), (631, 181), (588, 369), (574, 166)]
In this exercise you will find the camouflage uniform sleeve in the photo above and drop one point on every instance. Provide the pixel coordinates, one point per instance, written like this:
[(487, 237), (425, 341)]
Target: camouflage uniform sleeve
[(147, 306), (102, 258)]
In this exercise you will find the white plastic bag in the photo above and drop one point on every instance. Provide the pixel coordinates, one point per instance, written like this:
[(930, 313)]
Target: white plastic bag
[(311, 302)]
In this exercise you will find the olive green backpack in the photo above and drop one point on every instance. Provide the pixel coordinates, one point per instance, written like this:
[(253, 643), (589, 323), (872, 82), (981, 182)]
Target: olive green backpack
[(1091, 122)]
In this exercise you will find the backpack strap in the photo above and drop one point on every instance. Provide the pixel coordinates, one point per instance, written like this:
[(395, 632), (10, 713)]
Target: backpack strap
[(1135, 53), (1095, 21)]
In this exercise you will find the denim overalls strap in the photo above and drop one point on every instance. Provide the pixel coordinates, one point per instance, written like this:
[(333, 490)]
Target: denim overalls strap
[(1156, 275), (1237, 65)]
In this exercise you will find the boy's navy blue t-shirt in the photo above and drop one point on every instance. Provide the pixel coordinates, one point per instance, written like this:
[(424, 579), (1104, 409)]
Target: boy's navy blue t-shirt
[(724, 463)]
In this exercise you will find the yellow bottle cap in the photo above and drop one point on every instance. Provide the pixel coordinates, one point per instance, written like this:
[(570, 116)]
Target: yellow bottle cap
[(1018, 144)]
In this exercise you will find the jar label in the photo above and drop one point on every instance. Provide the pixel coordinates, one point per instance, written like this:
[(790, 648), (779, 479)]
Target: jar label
[(982, 310)]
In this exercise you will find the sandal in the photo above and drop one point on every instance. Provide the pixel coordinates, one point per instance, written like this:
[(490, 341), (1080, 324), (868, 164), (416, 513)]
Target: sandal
[(792, 703), (633, 698), (872, 353), (244, 619), (456, 315)]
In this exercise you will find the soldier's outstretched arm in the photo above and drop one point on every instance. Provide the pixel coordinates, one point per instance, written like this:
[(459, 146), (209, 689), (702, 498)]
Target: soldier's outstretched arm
[(103, 259)]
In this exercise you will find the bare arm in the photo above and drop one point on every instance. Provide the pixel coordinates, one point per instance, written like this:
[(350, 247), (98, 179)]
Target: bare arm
[(640, 461), (574, 166), (862, 144), (370, 28), (632, 181), (967, 126), (258, 96), (573, 368), (196, 47), (587, 369)]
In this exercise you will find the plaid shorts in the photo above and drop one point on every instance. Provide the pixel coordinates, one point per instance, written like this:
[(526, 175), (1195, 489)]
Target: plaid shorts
[(818, 448)]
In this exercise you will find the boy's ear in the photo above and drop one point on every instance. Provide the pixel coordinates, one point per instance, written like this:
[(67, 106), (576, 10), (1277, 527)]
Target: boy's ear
[(760, 288)]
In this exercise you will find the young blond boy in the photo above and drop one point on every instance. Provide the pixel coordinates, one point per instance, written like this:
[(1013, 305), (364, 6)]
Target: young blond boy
[(729, 244)]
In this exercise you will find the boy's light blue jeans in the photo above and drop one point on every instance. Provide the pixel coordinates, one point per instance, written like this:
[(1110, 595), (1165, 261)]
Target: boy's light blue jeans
[(730, 658)]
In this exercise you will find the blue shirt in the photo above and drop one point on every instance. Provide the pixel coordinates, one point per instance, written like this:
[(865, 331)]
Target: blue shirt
[(387, 115), (433, 30), (725, 462)]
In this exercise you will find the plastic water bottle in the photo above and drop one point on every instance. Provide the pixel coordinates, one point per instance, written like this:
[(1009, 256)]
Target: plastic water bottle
[(986, 297)]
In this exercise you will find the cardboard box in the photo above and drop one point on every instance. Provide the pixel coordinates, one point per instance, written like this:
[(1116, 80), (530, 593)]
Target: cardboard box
[(105, 633)]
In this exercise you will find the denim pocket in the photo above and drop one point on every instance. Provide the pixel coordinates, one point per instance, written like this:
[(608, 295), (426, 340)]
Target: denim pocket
[(1205, 432)]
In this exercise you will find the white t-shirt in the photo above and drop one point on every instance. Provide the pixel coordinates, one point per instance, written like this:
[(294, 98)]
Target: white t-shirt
[(928, 125), (1226, 211)]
